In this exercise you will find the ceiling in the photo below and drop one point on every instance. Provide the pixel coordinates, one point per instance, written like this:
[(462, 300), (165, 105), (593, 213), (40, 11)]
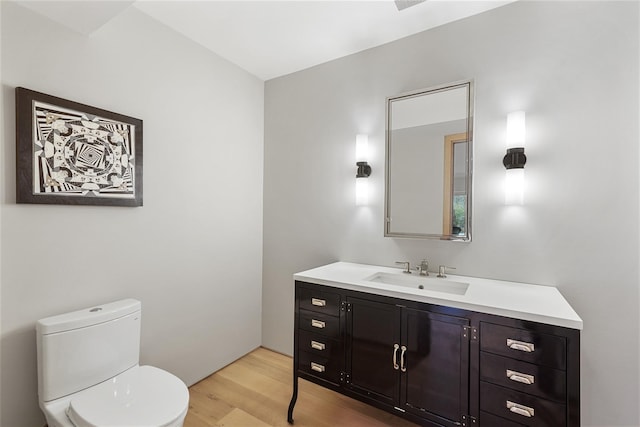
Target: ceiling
[(272, 38)]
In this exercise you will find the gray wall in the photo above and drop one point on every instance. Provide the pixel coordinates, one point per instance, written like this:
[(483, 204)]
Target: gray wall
[(192, 254), (573, 66)]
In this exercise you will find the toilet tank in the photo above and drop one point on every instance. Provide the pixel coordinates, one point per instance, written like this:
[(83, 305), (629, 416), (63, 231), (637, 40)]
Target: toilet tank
[(83, 348)]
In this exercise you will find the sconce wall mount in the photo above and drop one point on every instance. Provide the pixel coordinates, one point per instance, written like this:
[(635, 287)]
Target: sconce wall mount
[(515, 158), (364, 170)]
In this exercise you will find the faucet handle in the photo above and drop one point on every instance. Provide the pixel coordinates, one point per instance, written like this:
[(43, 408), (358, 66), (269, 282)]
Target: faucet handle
[(407, 266), (442, 271)]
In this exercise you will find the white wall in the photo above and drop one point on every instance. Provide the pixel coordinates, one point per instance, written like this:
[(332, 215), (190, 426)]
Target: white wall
[(2, 192), (573, 66), (192, 254)]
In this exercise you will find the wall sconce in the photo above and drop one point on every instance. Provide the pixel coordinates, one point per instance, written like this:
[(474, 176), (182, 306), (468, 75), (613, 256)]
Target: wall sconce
[(363, 171), (515, 158)]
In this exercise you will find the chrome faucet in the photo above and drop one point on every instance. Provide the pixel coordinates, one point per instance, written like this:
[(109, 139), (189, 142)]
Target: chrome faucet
[(407, 266), (423, 268)]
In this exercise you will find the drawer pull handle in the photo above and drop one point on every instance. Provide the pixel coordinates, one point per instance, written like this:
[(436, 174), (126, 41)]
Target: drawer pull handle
[(395, 357), (318, 302), (317, 345), (402, 367), (527, 347), (317, 323), (317, 367), (516, 408), (520, 377)]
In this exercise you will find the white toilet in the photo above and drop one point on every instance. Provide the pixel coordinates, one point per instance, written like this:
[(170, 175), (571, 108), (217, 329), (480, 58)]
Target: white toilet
[(88, 372)]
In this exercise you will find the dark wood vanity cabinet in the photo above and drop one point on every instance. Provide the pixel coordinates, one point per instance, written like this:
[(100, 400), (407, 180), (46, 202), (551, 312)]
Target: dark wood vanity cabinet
[(435, 365)]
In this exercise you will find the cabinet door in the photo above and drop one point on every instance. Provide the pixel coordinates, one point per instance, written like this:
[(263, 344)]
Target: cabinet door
[(437, 365), (373, 329)]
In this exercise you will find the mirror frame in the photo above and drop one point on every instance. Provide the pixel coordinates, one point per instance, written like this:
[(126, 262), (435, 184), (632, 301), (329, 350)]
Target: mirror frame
[(469, 169)]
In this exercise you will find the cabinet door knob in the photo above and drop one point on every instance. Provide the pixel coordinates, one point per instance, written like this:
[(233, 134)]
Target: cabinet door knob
[(395, 355), (317, 323), (527, 347), (318, 302), (402, 367), (519, 409), (520, 377)]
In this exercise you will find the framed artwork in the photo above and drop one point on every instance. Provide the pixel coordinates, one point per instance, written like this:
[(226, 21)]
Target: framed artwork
[(74, 154)]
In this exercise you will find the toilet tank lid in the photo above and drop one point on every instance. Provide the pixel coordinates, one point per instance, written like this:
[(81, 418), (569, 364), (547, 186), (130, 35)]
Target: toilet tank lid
[(87, 317)]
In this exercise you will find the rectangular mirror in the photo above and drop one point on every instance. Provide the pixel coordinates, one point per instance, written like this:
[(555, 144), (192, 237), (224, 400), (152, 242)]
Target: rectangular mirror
[(429, 145)]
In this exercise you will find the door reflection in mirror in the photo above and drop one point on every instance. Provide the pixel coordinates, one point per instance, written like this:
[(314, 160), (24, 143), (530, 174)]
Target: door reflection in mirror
[(455, 185)]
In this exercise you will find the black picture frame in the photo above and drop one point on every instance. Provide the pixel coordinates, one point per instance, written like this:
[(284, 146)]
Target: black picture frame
[(74, 154)]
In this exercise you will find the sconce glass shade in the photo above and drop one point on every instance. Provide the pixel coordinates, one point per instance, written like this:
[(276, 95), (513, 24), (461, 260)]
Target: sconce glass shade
[(363, 170), (516, 129), (515, 158), (362, 191), (514, 187), (362, 148)]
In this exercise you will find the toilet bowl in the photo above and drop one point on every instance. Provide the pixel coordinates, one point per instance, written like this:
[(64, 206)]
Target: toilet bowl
[(88, 372)]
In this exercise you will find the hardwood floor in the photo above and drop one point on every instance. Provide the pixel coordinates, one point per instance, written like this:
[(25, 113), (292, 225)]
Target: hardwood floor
[(255, 392)]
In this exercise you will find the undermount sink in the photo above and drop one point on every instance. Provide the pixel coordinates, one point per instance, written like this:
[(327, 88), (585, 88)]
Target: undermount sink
[(420, 282)]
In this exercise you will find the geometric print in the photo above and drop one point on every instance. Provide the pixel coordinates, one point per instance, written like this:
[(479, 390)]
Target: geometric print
[(80, 154)]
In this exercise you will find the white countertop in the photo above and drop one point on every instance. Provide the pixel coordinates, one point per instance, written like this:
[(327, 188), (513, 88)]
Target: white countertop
[(544, 304)]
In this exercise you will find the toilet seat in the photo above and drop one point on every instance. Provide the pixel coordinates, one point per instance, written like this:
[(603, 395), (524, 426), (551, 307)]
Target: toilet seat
[(143, 396)]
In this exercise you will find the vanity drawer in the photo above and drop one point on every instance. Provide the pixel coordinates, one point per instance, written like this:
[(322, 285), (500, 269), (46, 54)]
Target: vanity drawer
[(542, 381), (319, 301), (326, 368), (320, 323), (319, 344), (521, 344), (520, 407), (490, 420)]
